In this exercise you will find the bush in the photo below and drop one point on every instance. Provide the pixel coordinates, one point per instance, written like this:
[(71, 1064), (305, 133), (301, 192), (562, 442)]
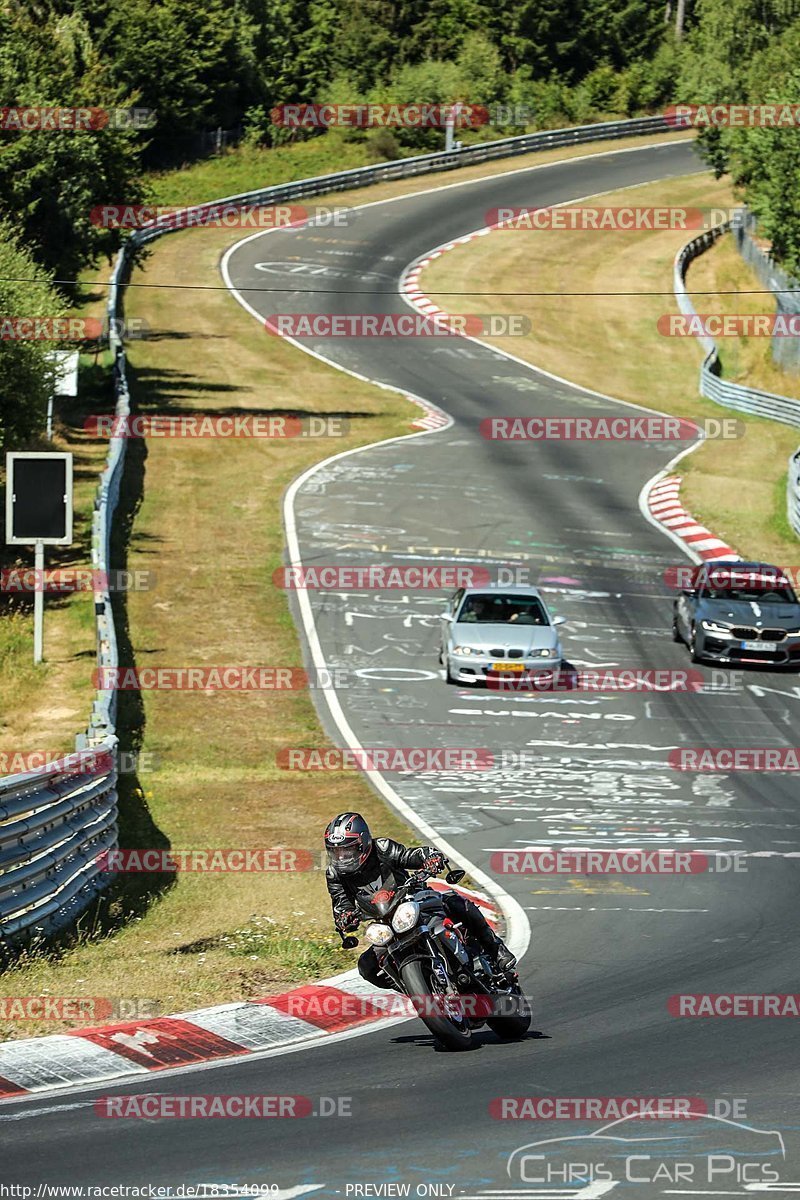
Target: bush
[(383, 146), (26, 376)]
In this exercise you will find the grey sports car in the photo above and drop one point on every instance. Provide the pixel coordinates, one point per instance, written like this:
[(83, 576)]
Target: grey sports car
[(739, 612), (489, 634)]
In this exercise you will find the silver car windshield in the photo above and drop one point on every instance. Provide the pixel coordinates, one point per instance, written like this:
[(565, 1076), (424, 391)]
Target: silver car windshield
[(502, 610)]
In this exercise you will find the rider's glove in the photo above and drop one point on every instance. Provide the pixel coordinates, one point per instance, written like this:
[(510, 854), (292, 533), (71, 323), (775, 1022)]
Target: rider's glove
[(346, 920), (435, 863)]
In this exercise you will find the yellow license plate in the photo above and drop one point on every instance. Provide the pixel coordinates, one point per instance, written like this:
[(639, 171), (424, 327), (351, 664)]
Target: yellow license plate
[(508, 666)]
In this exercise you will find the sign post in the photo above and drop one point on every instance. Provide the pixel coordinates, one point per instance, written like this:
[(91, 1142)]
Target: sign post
[(38, 514)]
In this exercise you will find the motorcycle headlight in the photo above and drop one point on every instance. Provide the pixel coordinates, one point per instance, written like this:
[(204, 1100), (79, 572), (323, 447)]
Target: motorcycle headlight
[(405, 917), (715, 627), (378, 933), (465, 650)]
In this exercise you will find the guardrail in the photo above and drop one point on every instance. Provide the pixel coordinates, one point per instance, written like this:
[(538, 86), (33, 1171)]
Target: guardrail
[(55, 824), (793, 492), (785, 350), (734, 395), (53, 831), (405, 168)]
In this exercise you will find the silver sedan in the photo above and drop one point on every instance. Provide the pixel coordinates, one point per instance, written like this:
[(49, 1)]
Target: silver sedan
[(507, 633)]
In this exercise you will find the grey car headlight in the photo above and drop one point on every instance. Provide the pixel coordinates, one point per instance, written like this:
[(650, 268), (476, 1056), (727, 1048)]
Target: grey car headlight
[(466, 650), (715, 627), (543, 653)]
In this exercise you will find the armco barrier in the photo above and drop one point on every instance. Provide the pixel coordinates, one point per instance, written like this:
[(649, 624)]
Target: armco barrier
[(793, 492), (52, 830), (734, 395), (409, 168), (55, 824), (785, 350)]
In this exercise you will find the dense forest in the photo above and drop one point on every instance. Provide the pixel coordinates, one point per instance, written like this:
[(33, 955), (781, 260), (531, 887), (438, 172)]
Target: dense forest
[(227, 63)]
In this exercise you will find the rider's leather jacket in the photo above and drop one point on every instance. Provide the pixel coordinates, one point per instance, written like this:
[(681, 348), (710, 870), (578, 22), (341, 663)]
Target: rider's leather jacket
[(389, 864)]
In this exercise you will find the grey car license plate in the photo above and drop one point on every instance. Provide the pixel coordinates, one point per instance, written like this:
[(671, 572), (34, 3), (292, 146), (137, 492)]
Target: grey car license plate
[(768, 646)]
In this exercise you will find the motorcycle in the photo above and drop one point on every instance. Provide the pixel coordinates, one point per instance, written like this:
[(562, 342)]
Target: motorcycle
[(449, 979)]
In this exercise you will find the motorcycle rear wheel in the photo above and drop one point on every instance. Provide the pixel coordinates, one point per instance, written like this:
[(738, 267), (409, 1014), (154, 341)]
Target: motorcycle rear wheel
[(417, 981)]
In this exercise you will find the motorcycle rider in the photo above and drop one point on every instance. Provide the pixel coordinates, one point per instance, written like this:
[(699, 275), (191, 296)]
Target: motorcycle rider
[(357, 863)]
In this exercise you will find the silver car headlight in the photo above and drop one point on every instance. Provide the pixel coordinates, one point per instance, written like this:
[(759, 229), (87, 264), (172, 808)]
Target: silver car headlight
[(405, 917), (543, 653), (378, 933), (466, 650), (715, 627)]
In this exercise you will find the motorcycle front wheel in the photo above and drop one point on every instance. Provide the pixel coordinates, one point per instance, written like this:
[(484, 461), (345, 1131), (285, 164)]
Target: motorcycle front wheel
[(517, 1023), (419, 980)]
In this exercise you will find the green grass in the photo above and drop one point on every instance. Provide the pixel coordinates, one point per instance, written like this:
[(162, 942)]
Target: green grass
[(245, 168), (293, 949)]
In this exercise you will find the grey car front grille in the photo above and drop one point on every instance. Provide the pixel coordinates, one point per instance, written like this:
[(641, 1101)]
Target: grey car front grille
[(758, 635)]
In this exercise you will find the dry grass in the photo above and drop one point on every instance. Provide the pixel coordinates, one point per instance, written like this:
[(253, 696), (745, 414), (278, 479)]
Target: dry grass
[(609, 341)]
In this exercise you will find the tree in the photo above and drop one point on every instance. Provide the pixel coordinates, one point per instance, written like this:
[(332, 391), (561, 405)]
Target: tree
[(51, 181), (26, 376)]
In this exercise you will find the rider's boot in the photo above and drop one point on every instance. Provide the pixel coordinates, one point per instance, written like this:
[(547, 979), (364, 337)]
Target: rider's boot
[(497, 951)]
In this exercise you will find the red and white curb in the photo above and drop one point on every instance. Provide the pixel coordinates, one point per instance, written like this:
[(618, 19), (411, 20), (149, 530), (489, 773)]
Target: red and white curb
[(432, 418), (409, 284), (134, 1048), (664, 506)]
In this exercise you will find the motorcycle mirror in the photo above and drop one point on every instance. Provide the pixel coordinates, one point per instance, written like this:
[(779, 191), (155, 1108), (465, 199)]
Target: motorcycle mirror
[(455, 876), (349, 943)]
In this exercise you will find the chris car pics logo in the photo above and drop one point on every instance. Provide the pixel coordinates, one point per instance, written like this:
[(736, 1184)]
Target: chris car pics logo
[(712, 1152)]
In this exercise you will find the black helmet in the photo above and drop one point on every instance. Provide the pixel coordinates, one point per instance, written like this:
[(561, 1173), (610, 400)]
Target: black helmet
[(348, 842)]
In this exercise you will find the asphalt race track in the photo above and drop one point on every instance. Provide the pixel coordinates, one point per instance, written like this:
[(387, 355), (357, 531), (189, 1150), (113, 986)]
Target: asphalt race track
[(606, 952)]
